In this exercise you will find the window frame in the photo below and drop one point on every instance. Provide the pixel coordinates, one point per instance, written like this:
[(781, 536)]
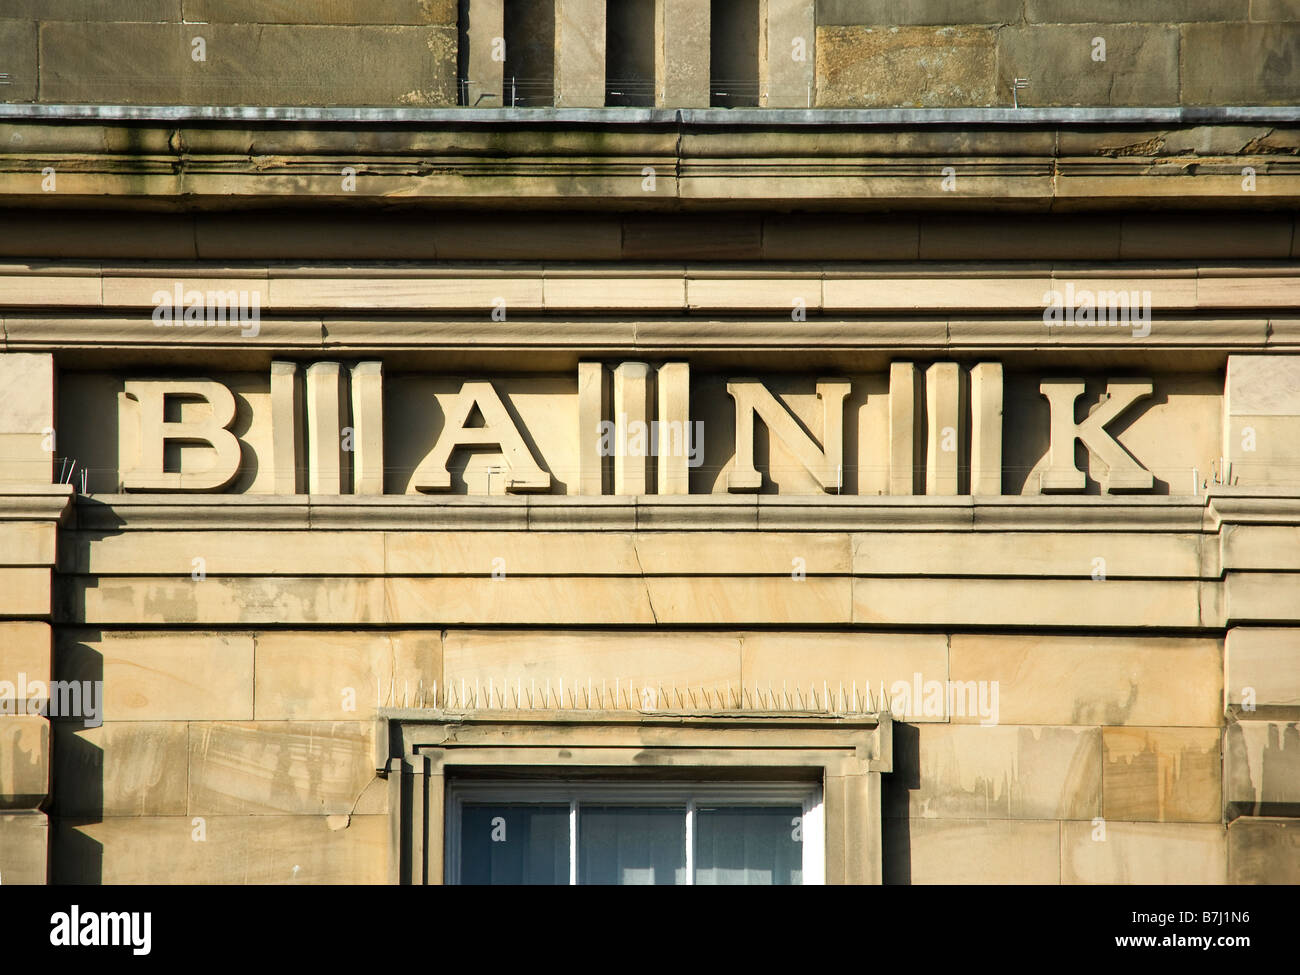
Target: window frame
[(687, 795), (420, 750)]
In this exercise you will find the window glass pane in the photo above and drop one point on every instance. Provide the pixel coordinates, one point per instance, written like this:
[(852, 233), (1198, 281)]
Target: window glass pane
[(631, 845), (508, 844), (749, 845)]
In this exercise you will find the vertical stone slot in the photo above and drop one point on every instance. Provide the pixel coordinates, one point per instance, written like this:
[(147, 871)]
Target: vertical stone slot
[(529, 80), (733, 53), (630, 53)]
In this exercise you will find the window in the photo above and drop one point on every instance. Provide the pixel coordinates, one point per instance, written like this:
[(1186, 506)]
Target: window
[(634, 833), (575, 795)]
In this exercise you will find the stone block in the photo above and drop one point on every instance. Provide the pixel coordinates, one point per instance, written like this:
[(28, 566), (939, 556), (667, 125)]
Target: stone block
[(1135, 603), (1261, 667), (515, 599), (1191, 237), (1263, 850), (268, 553), (262, 768), (1094, 680), (274, 64), (525, 660), (834, 13), (922, 67), (122, 768), (24, 838), (27, 442), (1254, 547), (24, 761), (681, 54), (1063, 65), (25, 592), (1262, 597), (118, 11), (162, 676), (231, 601), (380, 12), (1143, 853), (27, 543), (1007, 772), (720, 601), (1121, 11), (786, 64), (18, 41), (832, 238), (1240, 64), (236, 849), (1261, 429), (844, 664), (25, 657), (341, 676), (579, 53), (971, 851), (1261, 768), (1161, 775)]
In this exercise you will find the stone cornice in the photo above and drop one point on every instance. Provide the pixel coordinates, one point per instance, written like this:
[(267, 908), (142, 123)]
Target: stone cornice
[(37, 502), (662, 513), (816, 160)]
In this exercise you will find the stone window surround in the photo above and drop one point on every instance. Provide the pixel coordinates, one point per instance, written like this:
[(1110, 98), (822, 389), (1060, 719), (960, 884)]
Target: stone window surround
[(417, 750)]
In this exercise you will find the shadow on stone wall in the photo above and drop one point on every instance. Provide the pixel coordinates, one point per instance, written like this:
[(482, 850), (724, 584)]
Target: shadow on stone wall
[(896, 839)]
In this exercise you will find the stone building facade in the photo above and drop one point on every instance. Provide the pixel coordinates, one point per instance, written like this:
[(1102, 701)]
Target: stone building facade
[(413, 411)]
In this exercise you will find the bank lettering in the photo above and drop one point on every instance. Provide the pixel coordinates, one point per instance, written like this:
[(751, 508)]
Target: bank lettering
[(632, 433)]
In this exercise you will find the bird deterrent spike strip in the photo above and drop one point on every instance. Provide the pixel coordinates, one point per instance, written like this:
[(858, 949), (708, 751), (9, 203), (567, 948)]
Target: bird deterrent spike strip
[(628, 695)]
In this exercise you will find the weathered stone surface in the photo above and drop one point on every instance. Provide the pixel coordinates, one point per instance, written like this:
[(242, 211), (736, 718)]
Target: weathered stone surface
[(1263, 850), (1143, 853), (27, 443), (1261, 768), (262, 768), (25, 592), (246, 64), (1121, 11), (1094, 680), (579, 53), (842, 663), (25, 656), (1140, 68), (524, 661), (786, 64), (832, 13), (341, 676), (117, 11), (24, 761), (971, 851), (234, 850), (123, 768), (990, 602), (1161, 774), (1261, 435), (904, 67), (1262, 668), (18, 41), (681, 54), (233, 600), (1237, 64), (24, 837), (1005, 772), (162, 676), (379, 12)]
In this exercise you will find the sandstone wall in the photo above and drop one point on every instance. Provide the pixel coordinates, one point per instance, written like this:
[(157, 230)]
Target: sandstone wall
[(834, 53)]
